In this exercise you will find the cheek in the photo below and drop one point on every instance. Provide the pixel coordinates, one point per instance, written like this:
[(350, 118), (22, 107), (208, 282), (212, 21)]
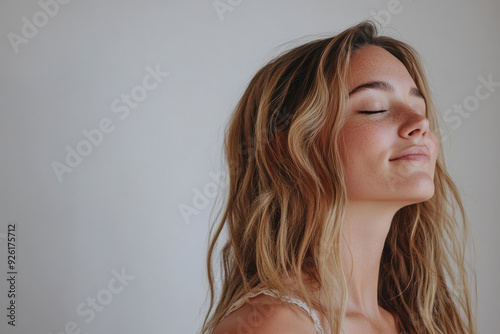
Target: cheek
[(365, 141)]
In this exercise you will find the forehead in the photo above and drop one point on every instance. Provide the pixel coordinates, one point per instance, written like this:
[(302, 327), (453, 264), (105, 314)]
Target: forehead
[(371, 63)]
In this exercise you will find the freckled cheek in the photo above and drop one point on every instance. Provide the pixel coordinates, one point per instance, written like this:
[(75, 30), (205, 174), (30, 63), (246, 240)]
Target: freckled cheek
[(361, 143), (368, 147), (369, 134), (350, 137)]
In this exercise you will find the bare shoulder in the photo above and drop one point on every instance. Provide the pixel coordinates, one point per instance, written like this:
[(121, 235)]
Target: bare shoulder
[(266, 315)]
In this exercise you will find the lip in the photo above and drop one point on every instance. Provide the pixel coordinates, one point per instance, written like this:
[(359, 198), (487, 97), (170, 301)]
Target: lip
[(415, 153)]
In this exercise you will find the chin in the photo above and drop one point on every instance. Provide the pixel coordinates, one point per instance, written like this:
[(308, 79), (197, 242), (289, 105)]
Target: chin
[(420, 196)]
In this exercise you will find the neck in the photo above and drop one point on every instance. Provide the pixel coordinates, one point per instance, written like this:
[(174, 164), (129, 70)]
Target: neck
[(366, 228)]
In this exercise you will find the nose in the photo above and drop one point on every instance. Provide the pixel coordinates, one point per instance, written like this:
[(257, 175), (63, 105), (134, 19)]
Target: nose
[(415, 124)]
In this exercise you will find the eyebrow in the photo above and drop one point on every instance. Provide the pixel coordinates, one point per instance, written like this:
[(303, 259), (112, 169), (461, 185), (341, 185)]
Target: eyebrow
[(384, 86)]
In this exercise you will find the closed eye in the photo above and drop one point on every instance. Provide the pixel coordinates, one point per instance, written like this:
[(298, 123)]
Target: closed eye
[(371, 112)]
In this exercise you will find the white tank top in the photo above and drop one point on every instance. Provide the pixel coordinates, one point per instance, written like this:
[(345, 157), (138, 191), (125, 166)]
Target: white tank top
[(275, 294)]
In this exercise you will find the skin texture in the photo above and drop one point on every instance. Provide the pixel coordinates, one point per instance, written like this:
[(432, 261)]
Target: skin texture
[(376, 188), (372, 139)]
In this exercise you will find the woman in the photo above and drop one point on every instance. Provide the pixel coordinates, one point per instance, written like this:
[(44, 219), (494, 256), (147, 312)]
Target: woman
[(341, 216)]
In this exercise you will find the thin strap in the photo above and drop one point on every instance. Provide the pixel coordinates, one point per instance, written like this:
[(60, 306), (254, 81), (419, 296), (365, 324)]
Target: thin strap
[(275, 294)]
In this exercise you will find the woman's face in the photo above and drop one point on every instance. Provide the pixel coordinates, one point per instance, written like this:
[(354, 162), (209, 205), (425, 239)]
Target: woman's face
[(379, 81)]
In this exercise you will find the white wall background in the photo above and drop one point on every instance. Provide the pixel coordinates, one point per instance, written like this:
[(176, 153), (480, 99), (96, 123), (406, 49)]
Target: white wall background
[(119, 208)]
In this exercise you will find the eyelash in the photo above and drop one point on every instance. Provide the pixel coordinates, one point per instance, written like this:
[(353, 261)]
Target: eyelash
[(371, 112)]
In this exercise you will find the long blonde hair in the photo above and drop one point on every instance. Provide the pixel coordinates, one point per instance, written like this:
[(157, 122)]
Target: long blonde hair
[(287, 196)]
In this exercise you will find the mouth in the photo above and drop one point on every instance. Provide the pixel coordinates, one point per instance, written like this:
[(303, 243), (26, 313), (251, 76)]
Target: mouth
[(413, 153), (413, 157)]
